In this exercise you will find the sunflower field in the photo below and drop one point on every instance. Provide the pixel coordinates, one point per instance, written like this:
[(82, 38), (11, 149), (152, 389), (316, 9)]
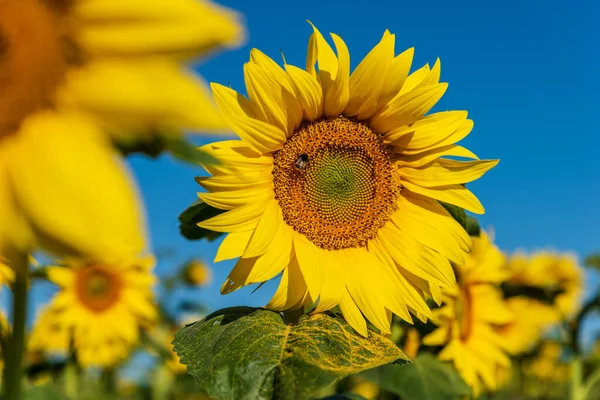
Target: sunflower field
[(326, 182)]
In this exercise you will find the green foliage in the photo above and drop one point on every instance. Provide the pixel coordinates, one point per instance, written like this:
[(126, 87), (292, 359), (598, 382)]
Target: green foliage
[(592, 261), (250, 353), (344, 396), (170, 142), (457, 213), (473, 228), (44, 392), (197, 212), (425, 378)]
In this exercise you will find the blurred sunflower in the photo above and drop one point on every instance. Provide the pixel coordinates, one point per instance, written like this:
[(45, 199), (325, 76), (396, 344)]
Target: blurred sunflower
[(88, 70), (49, 336), (197, 273), (164, 335), (531, 320), (336, 180), (553, 272), (102, 307), (469, 315)]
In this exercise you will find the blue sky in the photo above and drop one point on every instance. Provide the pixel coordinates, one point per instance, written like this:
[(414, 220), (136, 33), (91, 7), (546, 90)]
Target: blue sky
[(525, 71)]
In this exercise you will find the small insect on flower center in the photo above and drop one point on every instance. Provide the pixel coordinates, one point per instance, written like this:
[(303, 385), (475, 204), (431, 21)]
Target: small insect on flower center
[(336, 183), (34, 53), (97, 288)]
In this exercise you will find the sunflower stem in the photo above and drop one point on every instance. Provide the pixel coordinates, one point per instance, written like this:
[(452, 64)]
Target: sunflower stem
[(13, 371)]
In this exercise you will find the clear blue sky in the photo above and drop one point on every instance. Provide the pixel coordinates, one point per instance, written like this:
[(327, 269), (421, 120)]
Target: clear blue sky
[(527, 72)]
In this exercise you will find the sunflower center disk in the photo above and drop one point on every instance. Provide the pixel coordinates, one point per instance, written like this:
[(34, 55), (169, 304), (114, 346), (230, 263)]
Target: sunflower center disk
[(97, 288), (33, 59), (336, 183)]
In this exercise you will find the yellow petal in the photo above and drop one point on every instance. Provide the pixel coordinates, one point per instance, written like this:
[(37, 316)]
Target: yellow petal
[(233, 245), (396, 76), (367, 80), (310, 264), (414, 257), (229, 200), (268, 225), (419, 160), (142, 95), (292, 291), (447, 172), (408, 108), (427, 131), (336, 96), (61, 276), (457, 195), (261, 136), (238, 276), (414, 79), (89, 205), (352, 315), (271, 93), (308, 92), (333, 287), (429, 223), (326, 59), (236, 181), (154, 27), (14, 230), (241, 219), (276, 258)]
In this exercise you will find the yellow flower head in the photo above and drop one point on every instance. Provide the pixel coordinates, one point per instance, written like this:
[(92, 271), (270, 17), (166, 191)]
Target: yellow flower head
[(90, 69), (100, 307), (336, 180), (164, 335), (197, 273), (531, 320), (469, 316), (552, 271)]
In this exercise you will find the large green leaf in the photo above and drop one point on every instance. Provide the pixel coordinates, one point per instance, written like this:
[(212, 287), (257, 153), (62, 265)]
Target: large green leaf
[(458, 214), (425, 378), (197, 212), (249, 353)]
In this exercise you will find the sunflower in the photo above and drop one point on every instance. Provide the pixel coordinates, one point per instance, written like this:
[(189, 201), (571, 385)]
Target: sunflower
[(197, 273), (469, 315), (554, 272), (101, 307), (336, 180), (90, 70), (531, 320)]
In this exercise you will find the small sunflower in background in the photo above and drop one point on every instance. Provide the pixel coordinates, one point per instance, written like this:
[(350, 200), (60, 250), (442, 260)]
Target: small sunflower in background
[(468, 318), (90, 71), (336, 179), (531, 320), (102, 307), (197, 273), (557, 274)]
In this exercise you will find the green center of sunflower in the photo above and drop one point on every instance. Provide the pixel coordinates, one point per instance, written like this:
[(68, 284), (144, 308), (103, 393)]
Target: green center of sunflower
[(336, 183), (97, 288), (34, 55)]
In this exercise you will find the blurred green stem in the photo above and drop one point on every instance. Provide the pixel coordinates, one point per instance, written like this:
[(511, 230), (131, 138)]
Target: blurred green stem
[(577, 385), (13, 371), (577, 379)]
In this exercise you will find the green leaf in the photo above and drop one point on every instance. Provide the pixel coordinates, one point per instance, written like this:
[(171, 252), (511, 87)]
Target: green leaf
[(344, 396), (473, 228), (425, 378), (458, 214), (42, 392), (186, 151), (592, 261), (188, 221), (250, 353)]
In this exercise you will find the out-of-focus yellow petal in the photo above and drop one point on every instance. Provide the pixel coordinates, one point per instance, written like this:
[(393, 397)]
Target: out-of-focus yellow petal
[(137, 28), (130, 95), (76, 195)]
